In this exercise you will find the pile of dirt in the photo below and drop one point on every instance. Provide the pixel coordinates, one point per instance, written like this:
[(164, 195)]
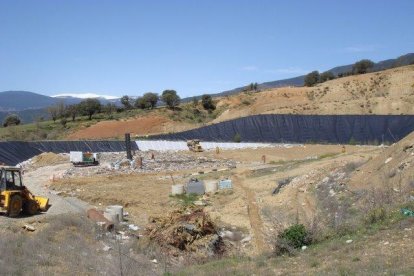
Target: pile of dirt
[(393, 169), (187, 230), (48, 159)]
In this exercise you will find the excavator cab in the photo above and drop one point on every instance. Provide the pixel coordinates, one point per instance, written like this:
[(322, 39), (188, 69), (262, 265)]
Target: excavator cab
[(15, 197)]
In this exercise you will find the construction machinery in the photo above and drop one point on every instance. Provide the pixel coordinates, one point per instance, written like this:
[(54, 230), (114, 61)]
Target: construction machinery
[(15, 197), (194, 145)]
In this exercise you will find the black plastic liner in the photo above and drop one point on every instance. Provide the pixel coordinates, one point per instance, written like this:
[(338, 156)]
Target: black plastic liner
[(343, 129), (12, 153)]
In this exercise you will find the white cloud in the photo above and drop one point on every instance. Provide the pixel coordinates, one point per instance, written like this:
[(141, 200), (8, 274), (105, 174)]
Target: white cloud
[(86, 95)]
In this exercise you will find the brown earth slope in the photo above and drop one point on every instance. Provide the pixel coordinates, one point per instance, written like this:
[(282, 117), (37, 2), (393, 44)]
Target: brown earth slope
[(385, 92), (138, 126)]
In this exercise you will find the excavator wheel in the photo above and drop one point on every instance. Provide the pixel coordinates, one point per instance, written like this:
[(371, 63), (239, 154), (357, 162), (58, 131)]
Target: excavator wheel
[(15, 206), (30, 207)]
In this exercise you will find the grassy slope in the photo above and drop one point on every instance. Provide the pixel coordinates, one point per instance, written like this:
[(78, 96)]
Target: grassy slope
[(384, 248)]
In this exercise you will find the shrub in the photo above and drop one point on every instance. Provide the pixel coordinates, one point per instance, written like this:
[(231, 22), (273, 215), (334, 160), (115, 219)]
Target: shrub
[(376, 215), (237, 138), (312, 78), (352, 141), (171, 99), (63, 121), (292, 238), (296, 235), (11, 120), (207, 102), (362, 66), (246, 102)]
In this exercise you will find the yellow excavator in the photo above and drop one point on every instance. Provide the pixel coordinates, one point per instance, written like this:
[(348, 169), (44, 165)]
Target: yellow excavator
[(15, 198), (194, 145)]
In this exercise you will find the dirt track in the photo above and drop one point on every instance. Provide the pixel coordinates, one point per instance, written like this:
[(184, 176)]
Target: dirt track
[(38, 182)]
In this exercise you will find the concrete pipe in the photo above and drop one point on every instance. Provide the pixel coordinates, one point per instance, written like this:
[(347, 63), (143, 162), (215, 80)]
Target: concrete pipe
[(116, 212), (97, 216)]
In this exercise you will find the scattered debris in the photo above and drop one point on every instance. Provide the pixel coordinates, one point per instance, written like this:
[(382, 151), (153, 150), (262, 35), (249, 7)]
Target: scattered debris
[(349, 241), (29, 227), (281, 184), (225, 184), (98, 217), (194, 186), (186, 230), (116, 163), (133, 227), (79, 158), (407, 212)]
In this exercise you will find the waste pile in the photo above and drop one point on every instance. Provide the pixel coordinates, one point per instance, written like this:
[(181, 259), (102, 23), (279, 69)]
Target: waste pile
[(186, 230), (111, 163)]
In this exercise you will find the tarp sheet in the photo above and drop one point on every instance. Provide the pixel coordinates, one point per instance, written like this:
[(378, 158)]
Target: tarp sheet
[(12, 153), (363, 129)]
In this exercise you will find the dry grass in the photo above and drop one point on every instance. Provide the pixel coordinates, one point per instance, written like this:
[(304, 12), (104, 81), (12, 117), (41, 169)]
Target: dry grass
[(68, 245)]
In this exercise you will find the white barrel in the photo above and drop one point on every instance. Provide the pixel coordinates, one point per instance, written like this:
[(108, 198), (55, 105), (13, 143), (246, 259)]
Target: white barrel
[(116, 210), (211, 186), (177, 189)]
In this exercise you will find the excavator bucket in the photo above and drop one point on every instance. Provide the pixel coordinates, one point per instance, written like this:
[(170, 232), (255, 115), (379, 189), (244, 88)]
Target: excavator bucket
[(43, 203)]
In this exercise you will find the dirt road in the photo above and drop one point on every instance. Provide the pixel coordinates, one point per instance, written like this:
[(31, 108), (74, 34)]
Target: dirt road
[(37, 182), (254, 216)]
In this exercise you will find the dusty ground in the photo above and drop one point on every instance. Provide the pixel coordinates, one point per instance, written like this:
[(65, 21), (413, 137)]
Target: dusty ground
[(248, 207), (323, 179)]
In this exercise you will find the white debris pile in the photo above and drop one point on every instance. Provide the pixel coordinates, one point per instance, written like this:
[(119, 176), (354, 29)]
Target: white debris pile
[(149, 162), (163, 145)]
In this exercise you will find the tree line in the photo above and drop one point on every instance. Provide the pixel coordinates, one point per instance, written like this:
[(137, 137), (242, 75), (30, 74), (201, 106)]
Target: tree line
[(360, 67), (90, 107)]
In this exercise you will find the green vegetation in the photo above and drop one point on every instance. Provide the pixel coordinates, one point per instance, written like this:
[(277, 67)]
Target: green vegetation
[(293, 237), (326, 76), (360, 67), (126, 101), (89, 107), (363, 66), (237, 138), (312, 78), (170, 98), (11, 120), (186, 199), (207, 102)]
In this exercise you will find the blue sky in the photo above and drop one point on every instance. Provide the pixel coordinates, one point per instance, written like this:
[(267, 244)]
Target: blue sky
[(195, 47)]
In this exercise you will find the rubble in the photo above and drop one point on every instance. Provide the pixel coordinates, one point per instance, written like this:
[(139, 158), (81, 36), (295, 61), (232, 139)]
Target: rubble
[(186, 230), (116, 163)]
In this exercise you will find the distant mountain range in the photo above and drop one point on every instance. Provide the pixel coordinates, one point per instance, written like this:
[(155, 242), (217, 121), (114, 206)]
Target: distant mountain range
[(31, 106)]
